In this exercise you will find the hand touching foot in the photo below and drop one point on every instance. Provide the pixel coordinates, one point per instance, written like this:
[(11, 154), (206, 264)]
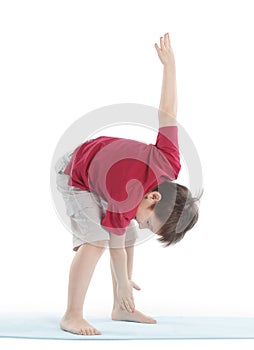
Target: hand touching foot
[(121, 315)]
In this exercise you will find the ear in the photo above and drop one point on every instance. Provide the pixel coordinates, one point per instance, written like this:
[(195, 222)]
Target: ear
[(155, 196)]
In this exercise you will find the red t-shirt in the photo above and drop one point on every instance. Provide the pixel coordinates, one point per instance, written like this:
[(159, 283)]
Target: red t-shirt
[(121, 171)]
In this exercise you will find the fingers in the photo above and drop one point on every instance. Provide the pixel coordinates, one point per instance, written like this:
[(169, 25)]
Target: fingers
[(135, 286), (167, 40), (164, 43), (157, 48), (128, 305)]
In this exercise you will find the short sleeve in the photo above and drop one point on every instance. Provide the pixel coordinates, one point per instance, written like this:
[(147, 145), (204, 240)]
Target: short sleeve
[(114, 221), (167, 143)]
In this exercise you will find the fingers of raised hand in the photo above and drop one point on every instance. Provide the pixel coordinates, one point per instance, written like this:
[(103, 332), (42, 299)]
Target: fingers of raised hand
[(164, 42), (157, 47)]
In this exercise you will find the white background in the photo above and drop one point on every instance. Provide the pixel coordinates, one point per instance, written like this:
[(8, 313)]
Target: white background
[(62, 59)]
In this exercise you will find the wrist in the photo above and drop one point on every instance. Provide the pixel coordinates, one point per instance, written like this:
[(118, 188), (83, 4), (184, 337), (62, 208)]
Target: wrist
[(169, 67), (123, 283)]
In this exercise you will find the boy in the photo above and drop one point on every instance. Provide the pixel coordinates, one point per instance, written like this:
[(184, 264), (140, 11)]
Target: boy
[(134, 181)]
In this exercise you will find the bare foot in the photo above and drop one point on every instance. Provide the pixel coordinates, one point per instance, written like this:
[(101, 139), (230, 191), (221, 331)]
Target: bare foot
[(136, 316), (77, 325)]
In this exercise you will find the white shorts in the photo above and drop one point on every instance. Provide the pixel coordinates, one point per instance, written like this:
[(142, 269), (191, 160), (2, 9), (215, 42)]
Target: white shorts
[(86, 210)]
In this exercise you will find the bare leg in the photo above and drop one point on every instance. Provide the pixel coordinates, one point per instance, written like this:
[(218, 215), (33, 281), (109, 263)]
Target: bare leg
[(81, 271), (121, 315)]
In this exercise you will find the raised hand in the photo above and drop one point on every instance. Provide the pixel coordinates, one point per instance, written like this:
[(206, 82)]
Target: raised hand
[(165, 51)]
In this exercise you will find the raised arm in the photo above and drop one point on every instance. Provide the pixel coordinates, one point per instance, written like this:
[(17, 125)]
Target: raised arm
[(168, 103)]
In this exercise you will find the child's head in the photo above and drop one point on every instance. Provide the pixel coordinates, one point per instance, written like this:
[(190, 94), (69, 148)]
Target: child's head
[(176, 210)]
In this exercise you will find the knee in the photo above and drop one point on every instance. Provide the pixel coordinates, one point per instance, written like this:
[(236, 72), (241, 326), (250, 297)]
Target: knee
[(100, 246)]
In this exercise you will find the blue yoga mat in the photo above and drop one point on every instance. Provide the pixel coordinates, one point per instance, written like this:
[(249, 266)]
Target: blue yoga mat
[(45, 326)]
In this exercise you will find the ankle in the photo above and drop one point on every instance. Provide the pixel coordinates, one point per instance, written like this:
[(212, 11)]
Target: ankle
[(73, 314), (116, 307)]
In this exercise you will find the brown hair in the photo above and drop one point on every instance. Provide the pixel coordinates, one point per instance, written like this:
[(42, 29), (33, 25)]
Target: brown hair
[(177, 210)]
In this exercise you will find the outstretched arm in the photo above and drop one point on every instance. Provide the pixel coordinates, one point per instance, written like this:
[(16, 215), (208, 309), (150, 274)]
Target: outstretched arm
[(168, 103)]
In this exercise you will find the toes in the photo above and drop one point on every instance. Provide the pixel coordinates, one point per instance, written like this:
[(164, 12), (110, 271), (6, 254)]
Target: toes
[(89, 331), (151, 320), (84, 331)]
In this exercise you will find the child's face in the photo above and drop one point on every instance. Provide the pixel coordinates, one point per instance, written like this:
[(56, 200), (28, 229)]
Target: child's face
[(145, 215), (151, 222)]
